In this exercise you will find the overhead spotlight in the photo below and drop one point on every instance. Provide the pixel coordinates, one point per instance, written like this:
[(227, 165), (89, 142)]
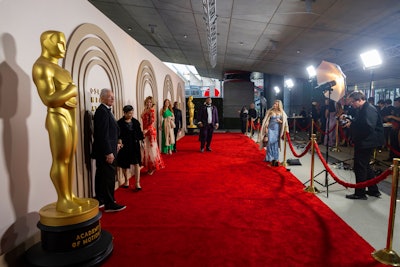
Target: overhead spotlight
[(276, 89), (311, 71), (289, 83), (152, 26), (371, 59)]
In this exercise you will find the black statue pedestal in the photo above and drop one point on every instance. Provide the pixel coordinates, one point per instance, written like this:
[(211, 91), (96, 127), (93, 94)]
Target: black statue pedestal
[(192, 130), (70, 239)]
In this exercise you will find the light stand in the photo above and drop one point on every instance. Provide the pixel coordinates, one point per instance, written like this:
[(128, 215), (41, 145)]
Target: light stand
[(311, 79), (326, 87), (370, 82), (371, 60)]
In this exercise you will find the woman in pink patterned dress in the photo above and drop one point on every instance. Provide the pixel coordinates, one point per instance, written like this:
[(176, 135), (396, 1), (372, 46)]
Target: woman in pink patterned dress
[(152, 158)]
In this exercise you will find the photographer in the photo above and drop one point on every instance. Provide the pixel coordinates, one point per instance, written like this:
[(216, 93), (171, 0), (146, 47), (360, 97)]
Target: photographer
[(367, 133)]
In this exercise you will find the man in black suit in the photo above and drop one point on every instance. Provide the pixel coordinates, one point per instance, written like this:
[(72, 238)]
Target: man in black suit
[(207, 122), (178, 121), (105, 149), (367, 132)]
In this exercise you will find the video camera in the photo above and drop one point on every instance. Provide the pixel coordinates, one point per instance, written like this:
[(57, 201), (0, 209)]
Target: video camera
[(344, 119), (326, 86)]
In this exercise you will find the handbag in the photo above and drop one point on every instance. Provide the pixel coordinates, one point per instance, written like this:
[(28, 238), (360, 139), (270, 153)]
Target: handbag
[(265, 140)]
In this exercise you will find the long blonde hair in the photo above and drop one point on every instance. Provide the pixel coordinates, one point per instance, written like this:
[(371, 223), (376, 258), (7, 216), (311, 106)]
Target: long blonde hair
[(280, 106), (147, 99)]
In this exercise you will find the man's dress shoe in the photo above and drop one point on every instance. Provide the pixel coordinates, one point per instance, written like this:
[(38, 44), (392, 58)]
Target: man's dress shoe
[(354, 196)]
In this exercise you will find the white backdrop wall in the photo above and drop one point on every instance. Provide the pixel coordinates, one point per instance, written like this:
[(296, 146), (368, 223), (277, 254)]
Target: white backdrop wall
[(25, 158)]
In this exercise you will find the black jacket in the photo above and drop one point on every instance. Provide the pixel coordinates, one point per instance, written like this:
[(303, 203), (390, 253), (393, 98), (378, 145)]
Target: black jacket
[(178, 118), (367, 128), (105, 133), (202, 115)]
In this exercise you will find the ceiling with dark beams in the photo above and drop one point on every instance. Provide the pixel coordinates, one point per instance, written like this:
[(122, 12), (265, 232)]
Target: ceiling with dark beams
[(271, 36)]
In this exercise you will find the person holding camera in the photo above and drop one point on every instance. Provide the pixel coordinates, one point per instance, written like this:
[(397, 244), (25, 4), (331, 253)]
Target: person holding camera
[(367, 132)]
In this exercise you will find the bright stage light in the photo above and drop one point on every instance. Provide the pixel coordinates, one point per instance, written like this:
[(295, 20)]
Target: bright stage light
[(371, 59), (289, 83), (277, 90), (311, 71)]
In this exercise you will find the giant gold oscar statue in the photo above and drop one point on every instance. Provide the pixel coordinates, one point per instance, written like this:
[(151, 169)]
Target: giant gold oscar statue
[(69, 225)]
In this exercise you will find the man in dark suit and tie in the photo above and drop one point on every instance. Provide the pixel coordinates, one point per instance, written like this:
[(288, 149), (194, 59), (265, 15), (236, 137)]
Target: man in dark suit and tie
[(105, 149), (207, 118), (178, 121)]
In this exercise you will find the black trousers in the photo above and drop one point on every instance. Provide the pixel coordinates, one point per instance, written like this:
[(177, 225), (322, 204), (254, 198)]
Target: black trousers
[(243, 124), (105, 182), (363, 170), (176, 130), (394, 142), (206, 134)]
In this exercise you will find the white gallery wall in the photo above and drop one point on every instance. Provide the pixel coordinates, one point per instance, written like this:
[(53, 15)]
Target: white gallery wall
[(25, 159)]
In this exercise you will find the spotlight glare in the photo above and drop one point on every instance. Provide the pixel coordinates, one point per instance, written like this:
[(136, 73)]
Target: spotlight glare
[(311, 71), (277, 90), (289, 83), (371, 59)]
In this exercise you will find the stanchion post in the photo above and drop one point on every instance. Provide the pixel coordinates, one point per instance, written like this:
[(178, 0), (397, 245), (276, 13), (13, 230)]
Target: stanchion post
[(284, 163), (387, 255), (311, 188), (312, 127), (374, 155), (336, 148)]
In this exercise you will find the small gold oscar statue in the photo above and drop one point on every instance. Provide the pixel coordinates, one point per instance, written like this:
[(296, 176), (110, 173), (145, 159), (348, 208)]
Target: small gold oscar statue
[(191, 112)]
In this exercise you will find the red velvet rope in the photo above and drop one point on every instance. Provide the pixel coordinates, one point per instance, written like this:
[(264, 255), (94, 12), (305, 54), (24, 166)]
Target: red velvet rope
[(251, 124), (301, 128), (343, 136), (373, 181), (292, 148), (396, 152), (325, 133)]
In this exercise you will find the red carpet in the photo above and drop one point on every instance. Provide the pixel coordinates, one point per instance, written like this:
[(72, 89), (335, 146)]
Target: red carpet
[(227, 208)]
